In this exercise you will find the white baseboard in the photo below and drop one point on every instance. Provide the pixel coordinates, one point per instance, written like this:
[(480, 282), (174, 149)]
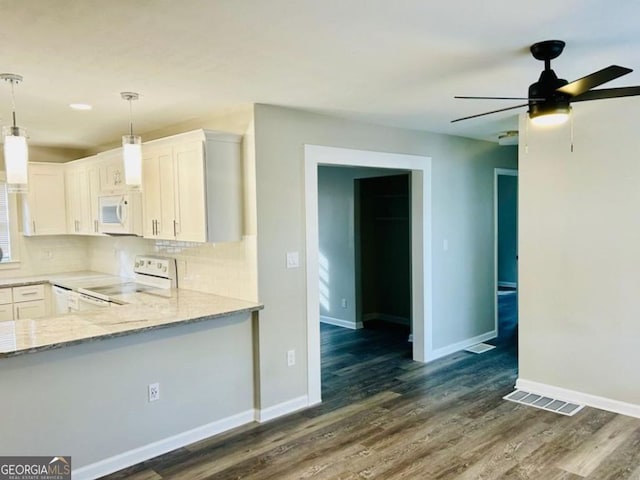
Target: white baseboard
[(281, 409), (580, 398), (508, 284), (140, 454), (340, 323), (386, 318), (456, 347)]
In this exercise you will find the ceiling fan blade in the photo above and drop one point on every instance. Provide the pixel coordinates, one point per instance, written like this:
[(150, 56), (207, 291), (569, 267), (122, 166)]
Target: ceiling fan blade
[(499, 98), (489, 113), (580, 86), (605, 93)]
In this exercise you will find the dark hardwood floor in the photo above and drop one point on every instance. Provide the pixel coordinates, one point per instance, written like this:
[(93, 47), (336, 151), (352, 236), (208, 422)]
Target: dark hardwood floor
[(387, 417)]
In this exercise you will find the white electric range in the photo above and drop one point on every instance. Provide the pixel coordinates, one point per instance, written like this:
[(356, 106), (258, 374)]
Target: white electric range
[(151, 273)]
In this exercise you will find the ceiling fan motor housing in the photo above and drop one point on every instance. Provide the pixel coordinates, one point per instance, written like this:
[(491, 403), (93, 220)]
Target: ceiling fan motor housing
[(546, 88)]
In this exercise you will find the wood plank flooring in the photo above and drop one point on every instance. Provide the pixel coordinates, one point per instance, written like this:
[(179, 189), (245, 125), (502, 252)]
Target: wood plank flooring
[(386, 417)]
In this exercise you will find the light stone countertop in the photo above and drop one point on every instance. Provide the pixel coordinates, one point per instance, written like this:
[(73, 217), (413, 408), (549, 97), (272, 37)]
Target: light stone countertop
[(71, 280), (144, 311)]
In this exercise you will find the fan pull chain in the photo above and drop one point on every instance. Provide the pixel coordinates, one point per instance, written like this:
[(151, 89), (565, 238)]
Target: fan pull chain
[(571, 124), (526, 135)]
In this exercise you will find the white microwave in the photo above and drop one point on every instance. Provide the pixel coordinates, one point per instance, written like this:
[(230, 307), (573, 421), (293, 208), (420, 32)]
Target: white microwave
[(120, 214)]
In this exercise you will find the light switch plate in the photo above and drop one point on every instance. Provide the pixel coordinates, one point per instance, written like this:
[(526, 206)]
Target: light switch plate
[(293, 260)]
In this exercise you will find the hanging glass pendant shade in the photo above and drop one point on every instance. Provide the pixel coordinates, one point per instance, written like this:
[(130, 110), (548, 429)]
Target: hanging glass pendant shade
[(16, 150)]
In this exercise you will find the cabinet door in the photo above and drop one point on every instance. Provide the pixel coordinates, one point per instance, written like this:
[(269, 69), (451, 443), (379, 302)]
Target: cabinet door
[(190, 201), (158, 192), (77, 197), (112, 172), (44, 207), (35, 309), (93, 185), (6, 312)]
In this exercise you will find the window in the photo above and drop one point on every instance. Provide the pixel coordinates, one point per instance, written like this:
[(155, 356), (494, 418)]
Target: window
[(8, 226), (5, 231)]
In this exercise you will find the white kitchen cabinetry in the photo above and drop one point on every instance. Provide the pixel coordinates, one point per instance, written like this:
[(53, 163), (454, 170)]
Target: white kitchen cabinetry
[(82, 188), (6, 305), (43, 207), (29, 302), (111, 172), (192, 187)]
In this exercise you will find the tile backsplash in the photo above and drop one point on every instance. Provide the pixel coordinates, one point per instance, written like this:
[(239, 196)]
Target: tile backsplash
[(49, 254), (228, 269)]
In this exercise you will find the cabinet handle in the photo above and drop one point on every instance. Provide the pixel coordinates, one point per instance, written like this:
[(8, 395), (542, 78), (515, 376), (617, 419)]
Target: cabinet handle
[(95, 226), (29, 293), (174, 228), (34, 226)]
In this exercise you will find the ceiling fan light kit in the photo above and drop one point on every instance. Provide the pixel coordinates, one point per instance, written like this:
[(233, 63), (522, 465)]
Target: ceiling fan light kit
[(508, 138), (549, 99)]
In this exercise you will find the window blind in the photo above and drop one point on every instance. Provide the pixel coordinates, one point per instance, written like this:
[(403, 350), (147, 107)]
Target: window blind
[(5, 234)]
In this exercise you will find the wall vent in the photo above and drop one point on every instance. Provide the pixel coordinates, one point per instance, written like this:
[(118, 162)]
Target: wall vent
[(545, 403)]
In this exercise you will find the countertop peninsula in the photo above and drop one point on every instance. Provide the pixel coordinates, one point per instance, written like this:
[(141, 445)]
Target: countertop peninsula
[(142, 311)]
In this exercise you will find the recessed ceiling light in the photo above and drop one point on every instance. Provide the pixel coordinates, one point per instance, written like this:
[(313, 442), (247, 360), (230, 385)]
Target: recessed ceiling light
[(80, 106)]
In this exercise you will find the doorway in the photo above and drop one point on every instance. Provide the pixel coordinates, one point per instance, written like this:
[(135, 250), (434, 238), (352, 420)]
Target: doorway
[(421, 288), (506, 255), (383, 252)]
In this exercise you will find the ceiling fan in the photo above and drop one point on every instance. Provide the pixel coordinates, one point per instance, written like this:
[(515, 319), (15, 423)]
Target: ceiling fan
[(550, 97)]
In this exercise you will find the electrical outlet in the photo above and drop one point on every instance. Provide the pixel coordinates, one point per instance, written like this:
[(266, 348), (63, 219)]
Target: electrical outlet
[(291, 358), (154, 392), (344, 303)]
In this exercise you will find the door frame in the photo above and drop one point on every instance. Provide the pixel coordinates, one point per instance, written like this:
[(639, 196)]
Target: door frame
[(421, 219), (497, 172)]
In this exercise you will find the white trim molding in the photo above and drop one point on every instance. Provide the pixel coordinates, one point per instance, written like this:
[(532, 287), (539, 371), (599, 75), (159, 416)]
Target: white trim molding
[(580, 398), (281, 409), (456, 347), (496, 173), (140, 454), (338, 322), (421, 282)]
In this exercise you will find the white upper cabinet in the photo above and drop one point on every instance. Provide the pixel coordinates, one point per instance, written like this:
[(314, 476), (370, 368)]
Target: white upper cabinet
[(192, 187), (44, 206), (111, 171), (82, 188), (158, 192)]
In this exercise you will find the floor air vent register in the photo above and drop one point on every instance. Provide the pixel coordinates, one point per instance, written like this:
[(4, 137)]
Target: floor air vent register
[(545, 403)]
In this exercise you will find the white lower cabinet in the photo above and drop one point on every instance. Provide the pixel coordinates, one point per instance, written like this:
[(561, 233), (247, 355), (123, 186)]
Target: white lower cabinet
[(6, 304), (33, 309), (23, 302)]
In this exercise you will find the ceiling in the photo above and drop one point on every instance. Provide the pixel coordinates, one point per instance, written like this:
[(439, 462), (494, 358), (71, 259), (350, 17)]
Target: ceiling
[(392, 63)]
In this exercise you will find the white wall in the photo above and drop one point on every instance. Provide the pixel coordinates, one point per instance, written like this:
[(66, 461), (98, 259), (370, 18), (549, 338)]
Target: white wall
[(462, 197), (336, 226), (580, 255)]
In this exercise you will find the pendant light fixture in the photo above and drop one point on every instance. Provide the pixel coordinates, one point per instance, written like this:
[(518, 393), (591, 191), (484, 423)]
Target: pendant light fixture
[(16, 153), (132, 148)]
